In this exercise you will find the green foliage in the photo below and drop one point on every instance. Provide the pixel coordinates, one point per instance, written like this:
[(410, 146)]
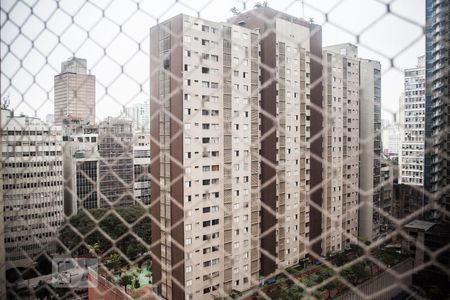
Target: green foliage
[(84, 227), (113, 261), (136, 284), (388, 256), (126, 280)]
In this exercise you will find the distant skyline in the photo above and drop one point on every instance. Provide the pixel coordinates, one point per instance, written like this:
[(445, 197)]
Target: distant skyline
[(127, 45)]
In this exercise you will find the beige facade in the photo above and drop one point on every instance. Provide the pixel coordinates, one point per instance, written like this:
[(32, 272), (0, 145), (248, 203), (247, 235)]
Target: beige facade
[(220, 144), (74, 92), (353, 144), (293, 147), (341, 145)]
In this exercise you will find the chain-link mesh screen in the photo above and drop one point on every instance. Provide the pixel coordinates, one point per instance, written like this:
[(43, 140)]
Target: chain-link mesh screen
[(217, 149)]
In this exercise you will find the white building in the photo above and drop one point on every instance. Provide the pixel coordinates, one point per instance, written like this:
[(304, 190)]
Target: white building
[(139, 113), (412, 154), (141, 163), (340, 143), (32, 187)]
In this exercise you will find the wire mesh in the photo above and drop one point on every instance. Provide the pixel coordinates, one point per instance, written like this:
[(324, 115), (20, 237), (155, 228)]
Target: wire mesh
[(252, 168)]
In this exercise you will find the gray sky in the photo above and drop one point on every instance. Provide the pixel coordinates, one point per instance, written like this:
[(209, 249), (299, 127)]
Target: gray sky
[(396, 36)]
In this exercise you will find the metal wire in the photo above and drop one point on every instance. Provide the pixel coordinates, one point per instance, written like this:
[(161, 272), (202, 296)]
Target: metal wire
[(113, 236)]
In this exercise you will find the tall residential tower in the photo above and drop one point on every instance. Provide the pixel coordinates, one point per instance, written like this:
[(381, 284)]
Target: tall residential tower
[(340, 144), (205, 158), (291, 143)]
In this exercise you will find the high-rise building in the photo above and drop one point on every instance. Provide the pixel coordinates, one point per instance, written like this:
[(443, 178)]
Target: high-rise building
[(411, 156), (352, 109), (74, 92), (216, 146), (32, 188), (370, 147), (115, 147), (81, 167), (340, 143), (205, 158), (141, 164), (437, 95), (139, 113), (429, 59), (291, 144)]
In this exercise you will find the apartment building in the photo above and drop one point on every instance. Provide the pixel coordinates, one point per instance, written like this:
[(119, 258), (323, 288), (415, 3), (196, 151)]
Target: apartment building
[(141, 165), (115, 147), (340, 144), (81, 161), (32, 188), (205, 158), (370, 148), (74, 92), (412, 154), (291, 144)]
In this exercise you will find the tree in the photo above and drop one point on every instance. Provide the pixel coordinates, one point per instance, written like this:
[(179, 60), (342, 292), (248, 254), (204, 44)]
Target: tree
[(113, 261), (82, 227), (126, 280), (131, 252), (95, 248), (136, 284)]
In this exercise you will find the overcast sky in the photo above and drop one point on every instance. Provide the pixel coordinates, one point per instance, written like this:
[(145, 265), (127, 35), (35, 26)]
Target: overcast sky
[(35, 42)]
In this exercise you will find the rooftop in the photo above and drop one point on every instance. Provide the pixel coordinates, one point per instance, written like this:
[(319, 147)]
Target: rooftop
[(419, 225)]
